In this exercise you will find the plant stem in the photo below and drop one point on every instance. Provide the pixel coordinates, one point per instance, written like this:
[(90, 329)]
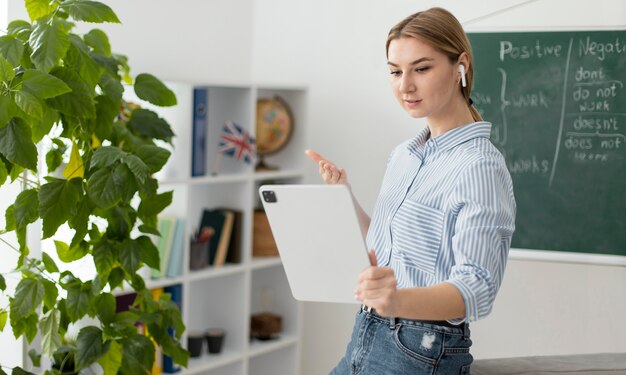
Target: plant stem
[(9, 244)]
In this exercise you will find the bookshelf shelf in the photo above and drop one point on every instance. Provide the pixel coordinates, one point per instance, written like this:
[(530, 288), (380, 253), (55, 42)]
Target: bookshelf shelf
[(210, 361), (227, 296), (214, 272), (258, 348), (265, 262)]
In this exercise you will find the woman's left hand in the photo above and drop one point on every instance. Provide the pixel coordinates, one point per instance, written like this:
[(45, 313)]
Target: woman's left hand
[(378, 288)]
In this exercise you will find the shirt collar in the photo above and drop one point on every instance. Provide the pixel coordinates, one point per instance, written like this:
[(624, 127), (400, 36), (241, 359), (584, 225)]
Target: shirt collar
[(449, 139)]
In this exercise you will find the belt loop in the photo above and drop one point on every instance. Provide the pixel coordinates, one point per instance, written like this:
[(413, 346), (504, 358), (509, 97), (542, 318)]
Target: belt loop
[(466, 331), (392, 323)]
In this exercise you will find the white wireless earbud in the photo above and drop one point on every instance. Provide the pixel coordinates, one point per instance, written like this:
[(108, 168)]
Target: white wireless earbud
[(462, 71)]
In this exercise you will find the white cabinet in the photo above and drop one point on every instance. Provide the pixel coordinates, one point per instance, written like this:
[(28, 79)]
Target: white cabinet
[(227, 296)]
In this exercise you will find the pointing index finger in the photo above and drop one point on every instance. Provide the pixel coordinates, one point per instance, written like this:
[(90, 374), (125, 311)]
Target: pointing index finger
[(314, 156)]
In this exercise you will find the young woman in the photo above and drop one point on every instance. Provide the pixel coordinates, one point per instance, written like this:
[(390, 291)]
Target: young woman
[(442, 224)]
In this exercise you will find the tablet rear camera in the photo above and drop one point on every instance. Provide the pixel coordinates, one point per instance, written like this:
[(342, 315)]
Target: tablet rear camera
[(269, 196)]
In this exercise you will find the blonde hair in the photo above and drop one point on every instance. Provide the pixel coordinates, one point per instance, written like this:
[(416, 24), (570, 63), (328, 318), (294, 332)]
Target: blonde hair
[(442, 30)]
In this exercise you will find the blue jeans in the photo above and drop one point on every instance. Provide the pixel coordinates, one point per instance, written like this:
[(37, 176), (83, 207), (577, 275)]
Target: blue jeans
[(400, 346)]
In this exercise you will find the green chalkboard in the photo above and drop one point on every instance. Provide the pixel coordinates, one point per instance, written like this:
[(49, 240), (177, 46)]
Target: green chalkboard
[(557, 103)]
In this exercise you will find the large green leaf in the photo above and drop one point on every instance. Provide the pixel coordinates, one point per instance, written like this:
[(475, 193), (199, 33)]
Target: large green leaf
[(107, 110), (90, 11), (149, 252), (49, 330), (28, 296), (151, 89), (20, 371), (78, 57), (106, 156), (9, 218), (104, 256), (3, 286), (112, 87), (155, 157), (69, 254), (3, 319), (98, 41), (125, 181), (138, 167), (148, 124), (11, 48), (16, 144), (29, 103), (42, 128), (111, 361), (49, 263), (57, 203), (3, 173), (50, 293), (154, 205), (80, 221), (130, 255), (49, 41), (43, 85), (116, 277), (54, 158), (105, 306), (102, 188), (26, 208), (80, 101), (35, 357), (25, 325), (172, 348), (78, 302), (38, 8), (6, 70), (138, 355), (20, 29), (90, 346), (8, 109)]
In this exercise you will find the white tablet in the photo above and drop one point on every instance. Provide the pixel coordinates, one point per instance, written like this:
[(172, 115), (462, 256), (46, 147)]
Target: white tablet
[(319, 239)]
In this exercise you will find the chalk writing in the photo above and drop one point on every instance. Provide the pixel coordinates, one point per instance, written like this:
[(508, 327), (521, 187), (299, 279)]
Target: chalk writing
[(587, 46), (557, 104)]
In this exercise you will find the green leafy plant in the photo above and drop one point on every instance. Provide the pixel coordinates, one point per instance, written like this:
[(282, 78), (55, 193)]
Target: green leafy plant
[(61, 95)]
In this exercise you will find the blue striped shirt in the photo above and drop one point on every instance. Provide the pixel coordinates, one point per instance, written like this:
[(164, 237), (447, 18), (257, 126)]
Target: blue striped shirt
[(446, 213)]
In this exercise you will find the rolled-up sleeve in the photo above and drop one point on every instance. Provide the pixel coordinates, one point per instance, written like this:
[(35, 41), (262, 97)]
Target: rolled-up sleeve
[(484, 205)]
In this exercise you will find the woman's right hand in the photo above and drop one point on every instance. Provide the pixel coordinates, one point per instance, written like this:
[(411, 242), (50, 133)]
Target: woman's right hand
[(329, 171)]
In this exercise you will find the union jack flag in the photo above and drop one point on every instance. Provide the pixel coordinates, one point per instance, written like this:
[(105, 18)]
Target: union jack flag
[(236, 142)]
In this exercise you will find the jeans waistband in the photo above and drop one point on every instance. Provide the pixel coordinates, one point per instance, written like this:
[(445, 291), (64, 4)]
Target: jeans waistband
[(442, 323)]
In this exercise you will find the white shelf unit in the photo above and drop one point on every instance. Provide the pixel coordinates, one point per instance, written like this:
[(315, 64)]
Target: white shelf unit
[(227, 296)]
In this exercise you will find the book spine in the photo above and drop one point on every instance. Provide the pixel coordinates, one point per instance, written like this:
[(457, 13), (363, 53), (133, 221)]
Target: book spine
[(199, 133), (176, 295)]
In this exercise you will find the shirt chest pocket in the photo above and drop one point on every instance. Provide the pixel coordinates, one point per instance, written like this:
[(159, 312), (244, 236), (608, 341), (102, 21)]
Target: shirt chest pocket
[(416, 232)]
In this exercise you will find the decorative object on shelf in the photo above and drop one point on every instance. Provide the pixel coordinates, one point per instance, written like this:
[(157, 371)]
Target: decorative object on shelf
[(265, 325), (198, 255), (235, 142), (194, 343), (263, 243), (215, 340), (274, 127)]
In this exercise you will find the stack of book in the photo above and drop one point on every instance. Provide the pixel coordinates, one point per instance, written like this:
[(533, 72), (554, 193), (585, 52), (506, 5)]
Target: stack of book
[(171, 246)]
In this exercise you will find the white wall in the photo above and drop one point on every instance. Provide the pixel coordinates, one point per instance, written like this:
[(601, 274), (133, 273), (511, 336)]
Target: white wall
[(336, 48)]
